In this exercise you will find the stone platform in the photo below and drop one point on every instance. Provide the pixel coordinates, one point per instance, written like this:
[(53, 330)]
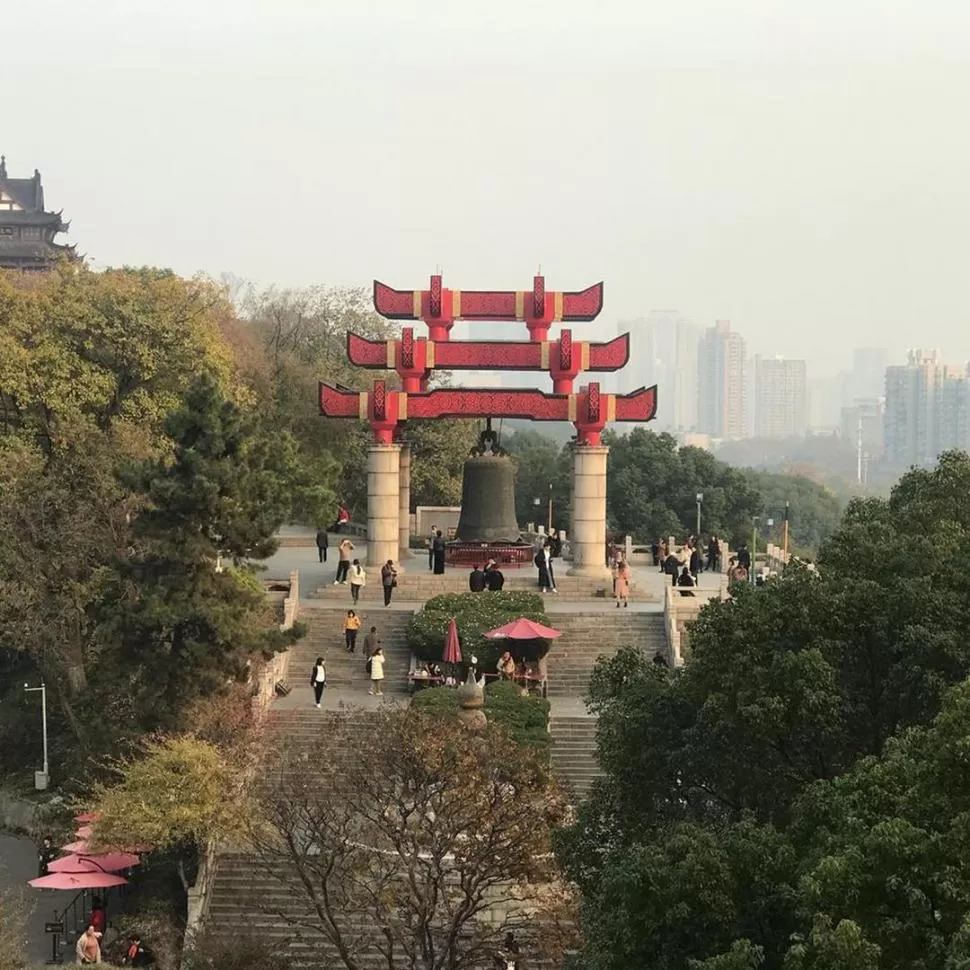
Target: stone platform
[(417, 586)]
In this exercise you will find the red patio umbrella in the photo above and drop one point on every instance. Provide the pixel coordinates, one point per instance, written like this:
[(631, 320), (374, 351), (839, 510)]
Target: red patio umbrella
[(76, 881), (452, 654), (86, 817), (523, 629), (108, 862)]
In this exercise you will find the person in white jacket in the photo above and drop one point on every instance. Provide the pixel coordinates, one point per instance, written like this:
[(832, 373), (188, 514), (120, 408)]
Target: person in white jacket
[(377, 672), (358, 579)]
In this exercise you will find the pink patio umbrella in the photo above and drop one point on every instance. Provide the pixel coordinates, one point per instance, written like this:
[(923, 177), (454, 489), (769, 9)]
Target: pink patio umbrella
[(76, 881), (86, 817), (81, 847), (85, 832), (523, 629), (452, 654), (108, 862)]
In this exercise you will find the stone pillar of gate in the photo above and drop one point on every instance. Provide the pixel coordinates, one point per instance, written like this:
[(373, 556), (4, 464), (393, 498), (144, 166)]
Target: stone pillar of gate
[(383, 503), (404, 514), (589, 511)]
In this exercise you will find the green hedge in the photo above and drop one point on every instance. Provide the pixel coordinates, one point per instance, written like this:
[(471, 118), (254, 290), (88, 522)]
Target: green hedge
[(524, 718), (475, 614)]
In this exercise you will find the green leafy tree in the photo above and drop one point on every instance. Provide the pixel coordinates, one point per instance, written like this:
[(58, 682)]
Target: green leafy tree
[(543, 471), (843, 947), (653, 485), (181, 623), (798, 787)]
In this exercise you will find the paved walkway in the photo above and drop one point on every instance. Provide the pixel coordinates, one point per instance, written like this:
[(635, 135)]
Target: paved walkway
[(314, 574), (18, 863)]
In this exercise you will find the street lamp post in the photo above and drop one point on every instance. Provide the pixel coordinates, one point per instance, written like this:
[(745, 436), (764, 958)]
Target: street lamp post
[(700, 498), (550, 508), (41, 778), (536, 502), (754, 550)]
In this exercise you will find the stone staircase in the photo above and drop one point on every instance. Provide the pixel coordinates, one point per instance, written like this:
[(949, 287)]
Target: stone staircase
[(325, 638), (573, 753), (586, 638), (251, 896), (248, 895)]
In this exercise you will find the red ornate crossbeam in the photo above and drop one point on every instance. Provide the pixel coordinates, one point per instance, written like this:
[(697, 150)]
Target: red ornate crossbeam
[(589, 410), (414, 359), (439, 307)]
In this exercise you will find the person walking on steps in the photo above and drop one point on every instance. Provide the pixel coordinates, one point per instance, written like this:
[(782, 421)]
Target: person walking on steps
[(388, 580), (318, 679), (344, 550), (323, 542), (376, 664), (371, 642), (351, 626), (358, 580), (621, 584)]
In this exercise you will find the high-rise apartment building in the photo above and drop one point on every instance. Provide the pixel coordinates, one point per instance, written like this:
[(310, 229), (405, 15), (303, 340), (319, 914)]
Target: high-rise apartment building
[(953, 420), (780, 398), (663, 351), (721, 404), (912, 410), (868, 377)]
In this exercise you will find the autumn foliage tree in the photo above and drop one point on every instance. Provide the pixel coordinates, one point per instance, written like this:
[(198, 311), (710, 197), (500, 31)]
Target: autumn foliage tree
[(401, 834), (176, 794)]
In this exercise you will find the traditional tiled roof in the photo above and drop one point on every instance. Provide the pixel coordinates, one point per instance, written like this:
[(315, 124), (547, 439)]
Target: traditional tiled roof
[(27, 196)]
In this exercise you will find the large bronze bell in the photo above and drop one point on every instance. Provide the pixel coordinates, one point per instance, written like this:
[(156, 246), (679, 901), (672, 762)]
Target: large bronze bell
[(488, 496)]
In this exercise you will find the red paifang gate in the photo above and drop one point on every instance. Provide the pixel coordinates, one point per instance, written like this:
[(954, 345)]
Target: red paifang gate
[(414, 358)]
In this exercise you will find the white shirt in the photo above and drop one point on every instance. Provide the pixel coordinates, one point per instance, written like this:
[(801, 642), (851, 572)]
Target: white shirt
[(377, 667), (320, 674), (357, 576)]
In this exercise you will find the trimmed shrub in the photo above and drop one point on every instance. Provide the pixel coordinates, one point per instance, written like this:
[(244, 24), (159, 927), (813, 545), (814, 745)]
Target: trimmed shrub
[(475, 614), (524, 718)]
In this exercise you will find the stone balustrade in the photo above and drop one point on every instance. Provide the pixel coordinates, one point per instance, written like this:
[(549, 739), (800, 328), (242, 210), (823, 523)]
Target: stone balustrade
[(264, 684), (681, 607)]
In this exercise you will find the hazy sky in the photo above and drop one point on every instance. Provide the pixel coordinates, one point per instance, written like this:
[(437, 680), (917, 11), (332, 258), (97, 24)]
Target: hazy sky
[(800, 169)]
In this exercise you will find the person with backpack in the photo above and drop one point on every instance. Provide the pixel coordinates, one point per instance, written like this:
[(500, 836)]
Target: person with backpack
[(318, 679)]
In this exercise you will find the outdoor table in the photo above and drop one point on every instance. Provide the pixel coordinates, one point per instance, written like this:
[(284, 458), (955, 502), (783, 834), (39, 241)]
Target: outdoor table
[(419, 683)]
